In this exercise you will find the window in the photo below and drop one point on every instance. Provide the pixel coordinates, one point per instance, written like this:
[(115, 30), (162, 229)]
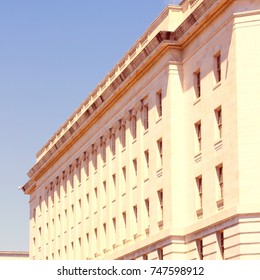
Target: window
[(104, 193), (114, 187), (146, 156), (64, 179), (200, 248), (124, 218), (114, 226), (78, 171), (199, 186), (79, 210), (147, 206), (71, 176), (87, 166), (135, 213), (123, 136), (113, 144), (219, 170), (135, 166), (220, 238), (34, 215), (40, 204), (160, 151), (133, 127), (198, 136), (217, 67), (200, 194), (218, 115), (160, 199), (124, 180), (104, 154), (160, 253), (145, 117), (159, 103), (197, 81), (94, 158)]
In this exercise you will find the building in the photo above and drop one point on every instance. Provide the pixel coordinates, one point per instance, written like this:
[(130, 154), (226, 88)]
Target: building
[(161, 159), (14, 255)]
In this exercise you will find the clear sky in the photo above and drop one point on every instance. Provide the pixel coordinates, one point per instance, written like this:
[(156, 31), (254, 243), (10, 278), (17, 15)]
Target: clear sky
[(52, 55)]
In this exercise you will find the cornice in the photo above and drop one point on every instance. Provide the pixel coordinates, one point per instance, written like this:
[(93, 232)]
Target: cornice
[(92, 105)]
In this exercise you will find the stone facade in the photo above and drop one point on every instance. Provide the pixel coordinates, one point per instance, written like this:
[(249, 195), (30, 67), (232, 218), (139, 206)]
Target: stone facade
[(160, 161)]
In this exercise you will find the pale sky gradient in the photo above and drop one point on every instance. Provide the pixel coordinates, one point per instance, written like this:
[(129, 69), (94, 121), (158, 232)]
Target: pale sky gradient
[(52, 55)]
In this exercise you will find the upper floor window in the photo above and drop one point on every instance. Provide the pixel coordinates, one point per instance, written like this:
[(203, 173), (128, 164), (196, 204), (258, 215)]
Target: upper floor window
[(145, 117), (197, 83), (217, 67), (160, 151), (104, 152), (200, 248), (123, 136), (198, 136), (159, 103), (218, 116), (219, 170), (113, 144), (200, 195), (134, 127)]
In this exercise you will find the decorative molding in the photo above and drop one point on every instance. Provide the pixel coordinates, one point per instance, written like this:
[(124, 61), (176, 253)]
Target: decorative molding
[(106, 136), (137, 108)]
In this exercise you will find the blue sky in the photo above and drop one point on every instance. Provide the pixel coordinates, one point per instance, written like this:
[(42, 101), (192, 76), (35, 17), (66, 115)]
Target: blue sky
[(52, 55)]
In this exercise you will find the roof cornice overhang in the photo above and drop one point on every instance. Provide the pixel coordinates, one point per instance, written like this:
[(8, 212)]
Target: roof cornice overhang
[(190, 27)]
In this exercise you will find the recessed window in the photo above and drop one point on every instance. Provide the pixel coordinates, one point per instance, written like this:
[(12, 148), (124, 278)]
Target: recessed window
[(104, 192), (160, 151), (218, 117), (217, 67), (145, 117), (123, 136), (200, 191), (104, 152), (134, 127), (199, 244), (220, 237), (160, 200), (197, 83), (135, 213), (198, 136), (160, 253), (135, 166), (159, 103), (219, 171), (113, 144), (147, 206), (40, 204), (94, 158)]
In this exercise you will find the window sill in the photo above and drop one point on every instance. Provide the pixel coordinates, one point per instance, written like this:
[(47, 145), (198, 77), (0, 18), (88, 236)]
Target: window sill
[(220, 203), (159, 172), (199, 213), (160, 224), (198, 157), (159, 119), (218, 84), (196, 101), (218, 144)]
